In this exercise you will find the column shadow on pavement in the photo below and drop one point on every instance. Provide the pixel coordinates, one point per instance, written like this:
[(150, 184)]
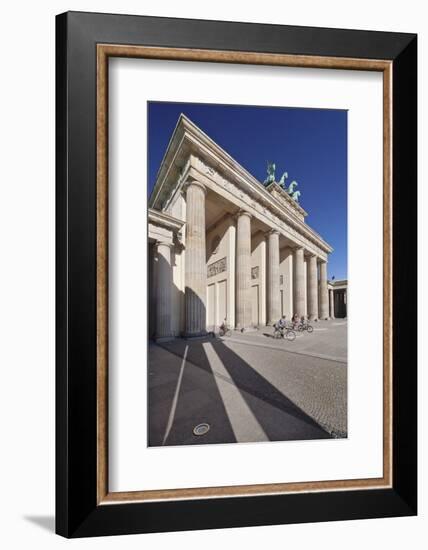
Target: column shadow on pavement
[(199, 400), (269, 401)]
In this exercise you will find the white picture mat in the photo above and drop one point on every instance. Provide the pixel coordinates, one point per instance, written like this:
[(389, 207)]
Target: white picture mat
[(134, 466)]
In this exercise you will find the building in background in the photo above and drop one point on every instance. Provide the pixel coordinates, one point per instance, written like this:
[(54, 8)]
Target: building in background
[(338, 298), (223, 246)]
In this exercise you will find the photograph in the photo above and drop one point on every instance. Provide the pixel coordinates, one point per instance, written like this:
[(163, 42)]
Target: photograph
[(214, 242), (247, 273)]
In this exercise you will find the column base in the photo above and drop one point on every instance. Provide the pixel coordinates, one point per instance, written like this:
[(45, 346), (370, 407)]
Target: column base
[(313, 318)]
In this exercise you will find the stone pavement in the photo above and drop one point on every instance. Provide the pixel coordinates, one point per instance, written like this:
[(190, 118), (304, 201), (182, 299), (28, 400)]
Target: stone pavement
[(329, 340), (250, 387)]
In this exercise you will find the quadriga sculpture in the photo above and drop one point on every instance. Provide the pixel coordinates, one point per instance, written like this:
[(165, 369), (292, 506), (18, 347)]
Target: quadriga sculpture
[(291, 189)]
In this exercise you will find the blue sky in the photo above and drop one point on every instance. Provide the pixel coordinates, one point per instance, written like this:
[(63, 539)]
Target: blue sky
[(309, 144)]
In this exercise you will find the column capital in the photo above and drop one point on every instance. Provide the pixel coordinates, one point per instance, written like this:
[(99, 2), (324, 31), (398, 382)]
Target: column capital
[(242, 212), (271, 232), (191, 181)]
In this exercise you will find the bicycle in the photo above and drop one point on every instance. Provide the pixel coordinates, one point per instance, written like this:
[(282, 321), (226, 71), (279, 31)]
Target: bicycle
[(305, 326), (284, 332)]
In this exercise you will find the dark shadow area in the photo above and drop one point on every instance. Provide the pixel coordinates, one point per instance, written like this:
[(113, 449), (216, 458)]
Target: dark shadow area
[(197, 399), (200, 401), (161, 389), (157, 265), (45, 522), (151, 289), (340, 304), (255, 385)]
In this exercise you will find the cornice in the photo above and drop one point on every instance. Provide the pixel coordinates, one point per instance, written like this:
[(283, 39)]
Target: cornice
[(165, 220)]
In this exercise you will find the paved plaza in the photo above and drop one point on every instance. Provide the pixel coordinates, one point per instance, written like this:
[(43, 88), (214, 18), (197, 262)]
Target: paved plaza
[(250, 387)]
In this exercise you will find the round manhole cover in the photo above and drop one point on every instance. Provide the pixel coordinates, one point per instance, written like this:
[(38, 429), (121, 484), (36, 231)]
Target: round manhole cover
[(201, 429)]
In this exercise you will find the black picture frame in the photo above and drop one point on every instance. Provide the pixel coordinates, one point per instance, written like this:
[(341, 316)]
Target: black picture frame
[(78, 513)]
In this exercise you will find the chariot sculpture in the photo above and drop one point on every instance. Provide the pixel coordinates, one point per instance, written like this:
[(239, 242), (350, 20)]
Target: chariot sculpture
[(291, 189)]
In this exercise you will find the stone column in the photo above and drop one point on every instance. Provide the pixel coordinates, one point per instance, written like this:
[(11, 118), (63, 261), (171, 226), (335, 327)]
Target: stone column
[(273, 295), (323, 291), (298, 282), (195, 271), (243, 270), (312, 288), (331, 304), (163, 291)]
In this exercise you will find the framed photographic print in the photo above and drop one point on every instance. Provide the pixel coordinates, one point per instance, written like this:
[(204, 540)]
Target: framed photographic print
[(236, 274)]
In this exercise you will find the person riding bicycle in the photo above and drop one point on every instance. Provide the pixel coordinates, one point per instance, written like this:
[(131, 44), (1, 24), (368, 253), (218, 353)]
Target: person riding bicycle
[(223, 327), (283, 330), (282, 322)]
